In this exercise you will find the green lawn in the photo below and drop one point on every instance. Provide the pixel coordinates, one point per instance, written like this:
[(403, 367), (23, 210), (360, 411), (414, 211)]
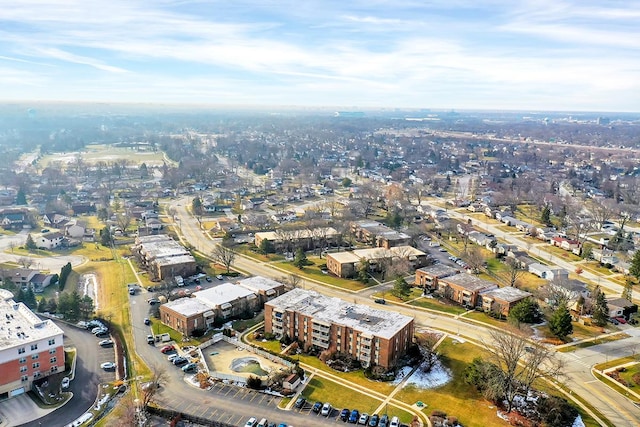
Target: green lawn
[(321, 390), (484, 318), (456, 398), (313, 272), (435, 304)]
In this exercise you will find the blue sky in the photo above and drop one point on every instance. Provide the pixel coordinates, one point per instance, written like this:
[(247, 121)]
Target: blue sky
[(522, 54)]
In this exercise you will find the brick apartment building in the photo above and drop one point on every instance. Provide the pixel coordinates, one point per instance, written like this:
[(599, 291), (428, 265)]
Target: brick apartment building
[(30, 348), (374, 337)]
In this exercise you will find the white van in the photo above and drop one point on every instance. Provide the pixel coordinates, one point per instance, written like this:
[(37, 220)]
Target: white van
[(263, 423)]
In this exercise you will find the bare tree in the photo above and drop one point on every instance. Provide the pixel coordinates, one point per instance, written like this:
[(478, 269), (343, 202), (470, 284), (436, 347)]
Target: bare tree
[(427, 342), (123, 220), (292, 281), (514, 272), (224, 256), (149, 390), (475, 258), (25, 262), (601, 211)]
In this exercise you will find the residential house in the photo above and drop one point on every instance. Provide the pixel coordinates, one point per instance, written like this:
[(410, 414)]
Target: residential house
[(49, 240), (40, 281), (547, 272), (55, 220), (12, 219), (76, 229), (345, 264), (375, 234), (20, 277), (620, 307)]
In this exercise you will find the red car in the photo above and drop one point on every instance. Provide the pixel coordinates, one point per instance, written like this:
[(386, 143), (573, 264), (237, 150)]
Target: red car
[(621, 320), (167, 349)]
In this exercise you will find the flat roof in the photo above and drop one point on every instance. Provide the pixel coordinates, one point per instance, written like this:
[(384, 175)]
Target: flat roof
[(222, 294), (259, 283), (368, 320), (300, 233), (439, 270), (508, 294), (21, 326), (469, 282), (178, 259), (344, 257), (187, 306)]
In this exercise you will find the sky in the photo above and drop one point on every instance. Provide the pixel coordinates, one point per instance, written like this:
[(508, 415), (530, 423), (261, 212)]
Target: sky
[(560, 55)]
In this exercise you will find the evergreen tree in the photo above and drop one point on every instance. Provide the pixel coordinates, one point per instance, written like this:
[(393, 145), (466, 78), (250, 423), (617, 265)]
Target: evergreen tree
[(30, 298), (266, 247), (600, 311), (86, 307), (21, 198), (106, 239), (64, 275), (42, 305), (560, 322), (525, 311), (31, 244), (545, 217), (363, 271), (634, 270), (300, 259), (52, 306), (401, 288)]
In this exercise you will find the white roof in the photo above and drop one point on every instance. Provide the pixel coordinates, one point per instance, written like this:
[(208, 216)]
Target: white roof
[(187, 306), (371, 321), (20, 326), (259, 283), (221, 294)]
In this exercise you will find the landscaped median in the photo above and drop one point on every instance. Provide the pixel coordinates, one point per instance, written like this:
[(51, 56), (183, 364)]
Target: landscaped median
[(622, 375)]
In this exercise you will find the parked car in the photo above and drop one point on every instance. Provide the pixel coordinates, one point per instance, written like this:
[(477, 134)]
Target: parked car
[(384, 421), (380, 301), (317, 407), (107, 366), (373, 421), (219, 277), (172, 356), (167, 349), (251, 422), (189, 367), (105, 343), (395, 422), (147, 321), (150, 339), (326, 409), (364, 419), (132, 291), (98, 329), (300, 402), (102, 333), (353, 417), (208, 279), (621, 320), (179, 361), (153, 301), (65, 382), (344, 414)]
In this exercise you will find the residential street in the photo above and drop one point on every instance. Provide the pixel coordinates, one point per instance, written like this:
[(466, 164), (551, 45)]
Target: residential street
[(621, 412)]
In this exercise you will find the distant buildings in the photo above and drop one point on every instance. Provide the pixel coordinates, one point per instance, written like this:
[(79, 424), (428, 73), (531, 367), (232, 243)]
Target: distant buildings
[(375, 234), (30, 348), (374, 337), (346, 264)]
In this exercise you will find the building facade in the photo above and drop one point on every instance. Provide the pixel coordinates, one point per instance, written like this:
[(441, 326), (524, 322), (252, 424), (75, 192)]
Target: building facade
[(373, 337), (30, 348)]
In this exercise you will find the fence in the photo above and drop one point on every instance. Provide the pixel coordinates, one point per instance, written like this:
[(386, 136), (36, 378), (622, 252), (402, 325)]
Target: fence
[(259, 352)]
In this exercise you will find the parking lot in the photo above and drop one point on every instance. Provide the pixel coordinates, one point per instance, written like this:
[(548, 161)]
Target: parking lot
[(103, 355)]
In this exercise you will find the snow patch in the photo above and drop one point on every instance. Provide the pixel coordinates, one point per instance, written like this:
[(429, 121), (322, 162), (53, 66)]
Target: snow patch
[(578, 422), (438, 376)]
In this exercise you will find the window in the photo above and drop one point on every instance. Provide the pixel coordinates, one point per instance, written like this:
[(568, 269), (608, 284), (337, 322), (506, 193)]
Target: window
[(52, 341), (53, 360), (23, 369), (22, 360), (35, 356), (34, 347), (24, 378), (52, 351), (36, 365), (21, 350), (54, 369), (36, 375)]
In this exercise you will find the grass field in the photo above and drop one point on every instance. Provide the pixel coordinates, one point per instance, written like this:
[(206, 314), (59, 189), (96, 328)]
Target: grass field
[(434, 304), (313, 272), (321, 390)]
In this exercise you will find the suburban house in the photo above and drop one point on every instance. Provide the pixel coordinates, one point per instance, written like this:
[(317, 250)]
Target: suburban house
[(345, 264), (464, 289), (374, 337), (427, 277), (547, 272), (620, 307), (55, 220), (49, 240), (502, 300), (376, 234), (11, 219), (76, 229)]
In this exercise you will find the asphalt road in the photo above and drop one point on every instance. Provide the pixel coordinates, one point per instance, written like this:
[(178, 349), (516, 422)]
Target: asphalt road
[(620, 411)]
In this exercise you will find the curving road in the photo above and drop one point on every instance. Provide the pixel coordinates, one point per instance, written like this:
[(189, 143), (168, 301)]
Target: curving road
[(619, 410)]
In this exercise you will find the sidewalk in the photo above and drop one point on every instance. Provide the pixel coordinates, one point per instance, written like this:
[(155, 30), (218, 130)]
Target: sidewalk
[(574, 343)]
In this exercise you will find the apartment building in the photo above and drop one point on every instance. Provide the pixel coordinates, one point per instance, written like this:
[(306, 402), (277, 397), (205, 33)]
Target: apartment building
[(30, 348), (374, 337)]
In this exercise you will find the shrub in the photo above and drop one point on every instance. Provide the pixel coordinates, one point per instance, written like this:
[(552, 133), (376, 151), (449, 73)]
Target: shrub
[(254, 383)]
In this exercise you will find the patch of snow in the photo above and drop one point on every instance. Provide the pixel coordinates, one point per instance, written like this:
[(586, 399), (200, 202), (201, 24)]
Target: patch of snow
[(401, 374), (458, 340), (438, 376), (578, 422)]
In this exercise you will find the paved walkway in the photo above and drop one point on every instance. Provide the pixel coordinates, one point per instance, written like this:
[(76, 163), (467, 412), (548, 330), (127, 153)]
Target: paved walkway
[(574, 343)]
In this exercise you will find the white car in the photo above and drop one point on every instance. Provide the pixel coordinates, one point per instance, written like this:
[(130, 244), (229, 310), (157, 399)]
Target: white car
[(395, 422), (65, 382), (105, 343), (172, 356), (108, 366), (326, 409), (252, 422)]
